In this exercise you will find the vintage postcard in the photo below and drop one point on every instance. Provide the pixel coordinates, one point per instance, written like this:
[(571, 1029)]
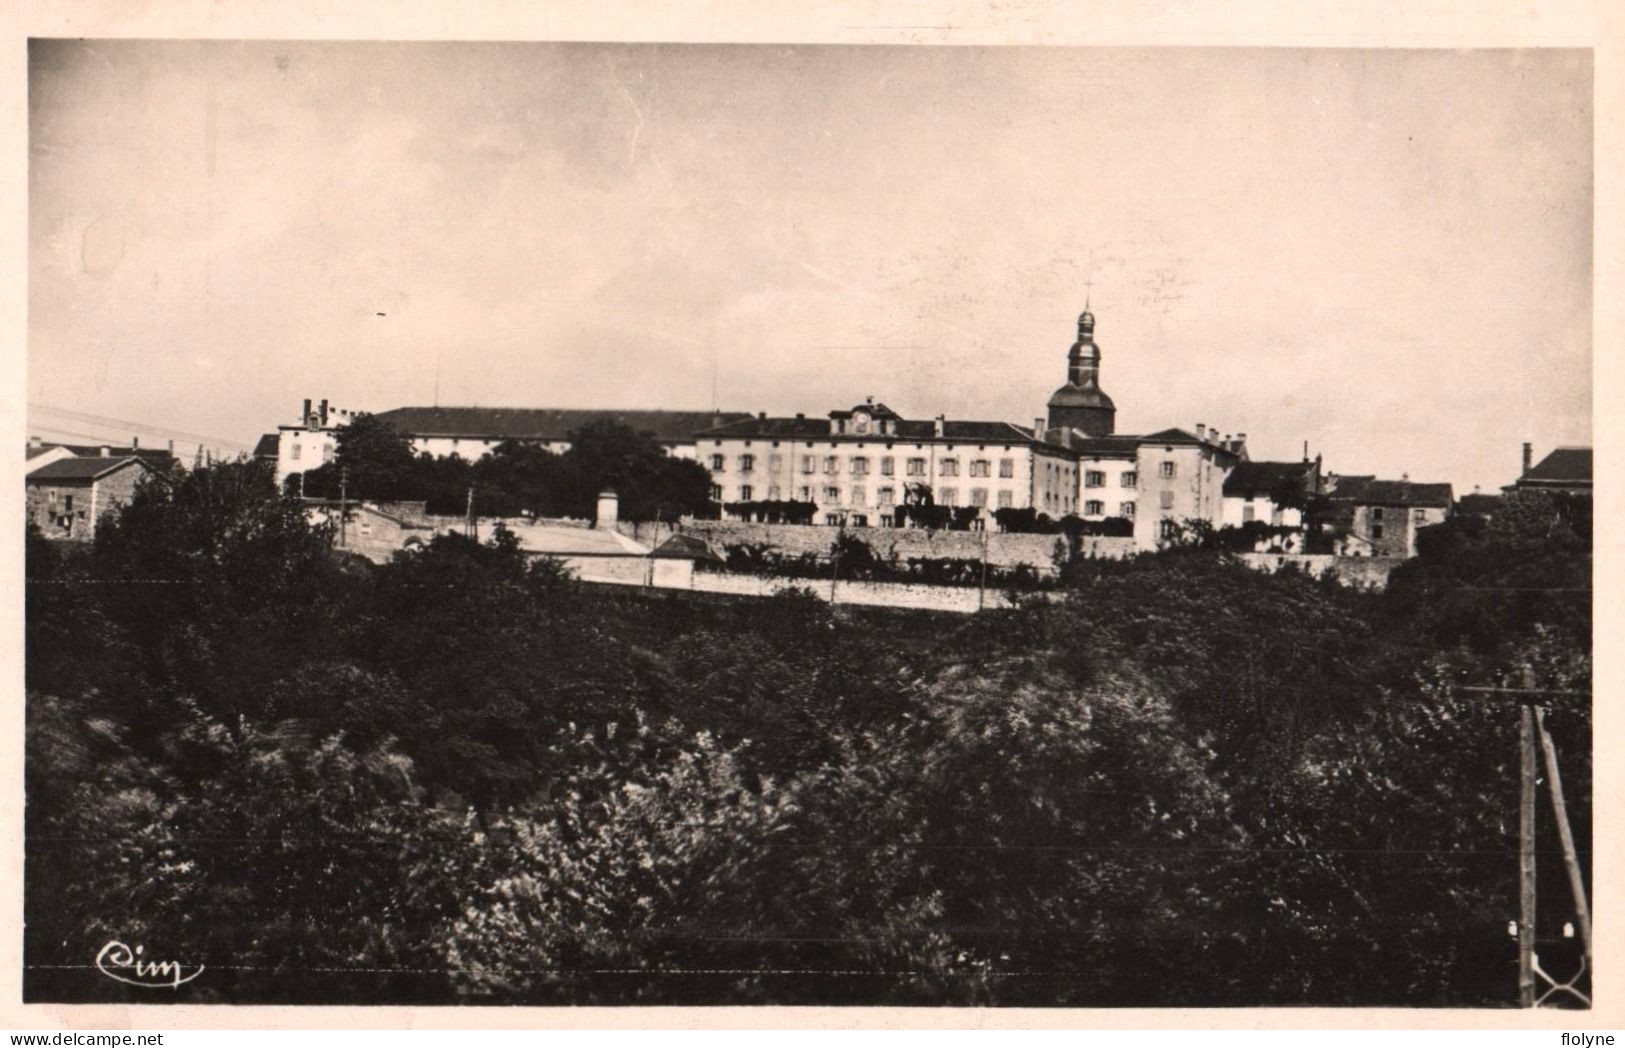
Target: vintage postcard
[(895, 519)]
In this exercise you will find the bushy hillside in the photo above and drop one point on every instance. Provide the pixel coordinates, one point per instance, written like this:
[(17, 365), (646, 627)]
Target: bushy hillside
[(460, 777)]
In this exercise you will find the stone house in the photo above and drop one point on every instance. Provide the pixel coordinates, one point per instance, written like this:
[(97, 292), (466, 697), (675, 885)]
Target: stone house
[(67, 498), (1380, 518)]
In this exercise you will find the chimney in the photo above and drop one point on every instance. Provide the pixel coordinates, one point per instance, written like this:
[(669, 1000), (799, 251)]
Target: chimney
[(761, 416), (1306, 451), (35, 442), (172, 445), (1405, 477), (1241, 438), (939, 425), (304, 416), (135, 443), (1039, 429), (1201, 431), (801, 414), (609, 508), (106, 451), (1528, 456), (323, 411)]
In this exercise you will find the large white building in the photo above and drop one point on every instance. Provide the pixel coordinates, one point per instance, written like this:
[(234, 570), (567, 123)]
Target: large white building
[(858, 465), (473, 433)]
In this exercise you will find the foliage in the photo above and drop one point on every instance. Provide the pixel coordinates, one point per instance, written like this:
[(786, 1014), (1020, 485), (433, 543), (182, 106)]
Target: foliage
[(460, 776), (516, 478)]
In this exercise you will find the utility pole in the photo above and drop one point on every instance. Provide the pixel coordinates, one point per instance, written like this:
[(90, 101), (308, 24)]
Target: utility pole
[(344, 512), (1532, 727), (1526, 849), (470, 531)]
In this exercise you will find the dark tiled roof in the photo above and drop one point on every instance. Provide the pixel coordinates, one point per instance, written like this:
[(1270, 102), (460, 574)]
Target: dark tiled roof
[(1070, 396), (1172, 436), (1118, 445), (1368, 491), (1255, 479), (154, 456), (964, 432), (1563, 466), (267, 446), (548, 423), (84, 468), (685, 547)]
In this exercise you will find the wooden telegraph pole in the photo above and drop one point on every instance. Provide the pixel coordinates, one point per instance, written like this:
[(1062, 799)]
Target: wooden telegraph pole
[(1526, 853)]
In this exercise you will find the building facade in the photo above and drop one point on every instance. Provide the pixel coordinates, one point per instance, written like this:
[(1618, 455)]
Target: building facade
[(857, 466), (66, 499), (1381, 518), (472, 433)]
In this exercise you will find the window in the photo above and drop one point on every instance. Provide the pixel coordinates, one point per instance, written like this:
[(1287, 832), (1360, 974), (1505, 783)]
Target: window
[(1126, 509), (1421, 516), (775, 463), (1131, 479), (1248, 514), (832, 464), (806, 463), (1376, 531), (1006, 500), (716, 492), (886, 466), (1166, 499), (67, 503), (1007, 467), (832, 519), (916, 467), (860, 520), (1167, 469), (327, 453), (1376, 513), (1094, 508), (747, 463), (806, 494), (886, 497), (948, 468), (978, 497), (860, 467), (979, 467), (948, 497), (832, 494), (716, 463), (1170, 529), (744, 492), (294, 454), (857, 496), (1094, 478)]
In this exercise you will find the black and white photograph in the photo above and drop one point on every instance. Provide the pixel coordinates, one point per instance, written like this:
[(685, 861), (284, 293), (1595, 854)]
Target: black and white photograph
[(909, 525)]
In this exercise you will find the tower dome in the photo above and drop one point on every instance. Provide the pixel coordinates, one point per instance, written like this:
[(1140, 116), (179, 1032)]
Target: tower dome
[(1081, 404)]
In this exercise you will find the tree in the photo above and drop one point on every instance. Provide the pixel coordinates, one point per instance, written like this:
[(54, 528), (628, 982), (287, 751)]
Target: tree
[(373, 457)]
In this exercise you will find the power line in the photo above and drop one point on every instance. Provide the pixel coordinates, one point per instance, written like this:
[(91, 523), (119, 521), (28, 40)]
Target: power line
[(140, 427)]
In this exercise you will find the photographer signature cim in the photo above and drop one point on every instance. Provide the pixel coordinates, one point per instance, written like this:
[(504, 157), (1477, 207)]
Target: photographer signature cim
[(118, 961)]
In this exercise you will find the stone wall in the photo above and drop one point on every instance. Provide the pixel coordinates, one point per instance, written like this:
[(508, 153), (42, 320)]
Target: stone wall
[(962, 599), (1006, 551), (1366, 573)]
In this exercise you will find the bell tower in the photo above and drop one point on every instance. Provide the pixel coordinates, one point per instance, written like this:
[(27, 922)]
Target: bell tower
[(1081, 404)]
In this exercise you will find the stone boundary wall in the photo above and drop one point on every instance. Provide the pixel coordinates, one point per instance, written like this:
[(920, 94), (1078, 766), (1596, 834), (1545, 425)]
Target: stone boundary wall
[(962, 599), (1003, 550), (1365, 573)]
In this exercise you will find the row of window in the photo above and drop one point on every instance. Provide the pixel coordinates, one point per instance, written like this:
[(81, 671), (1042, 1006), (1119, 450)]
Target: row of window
[(887, 497), (1095, 478), (859, 467)]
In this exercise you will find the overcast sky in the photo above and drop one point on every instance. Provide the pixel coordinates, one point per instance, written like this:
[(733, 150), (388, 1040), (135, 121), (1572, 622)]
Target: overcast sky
[(1384, 253)]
